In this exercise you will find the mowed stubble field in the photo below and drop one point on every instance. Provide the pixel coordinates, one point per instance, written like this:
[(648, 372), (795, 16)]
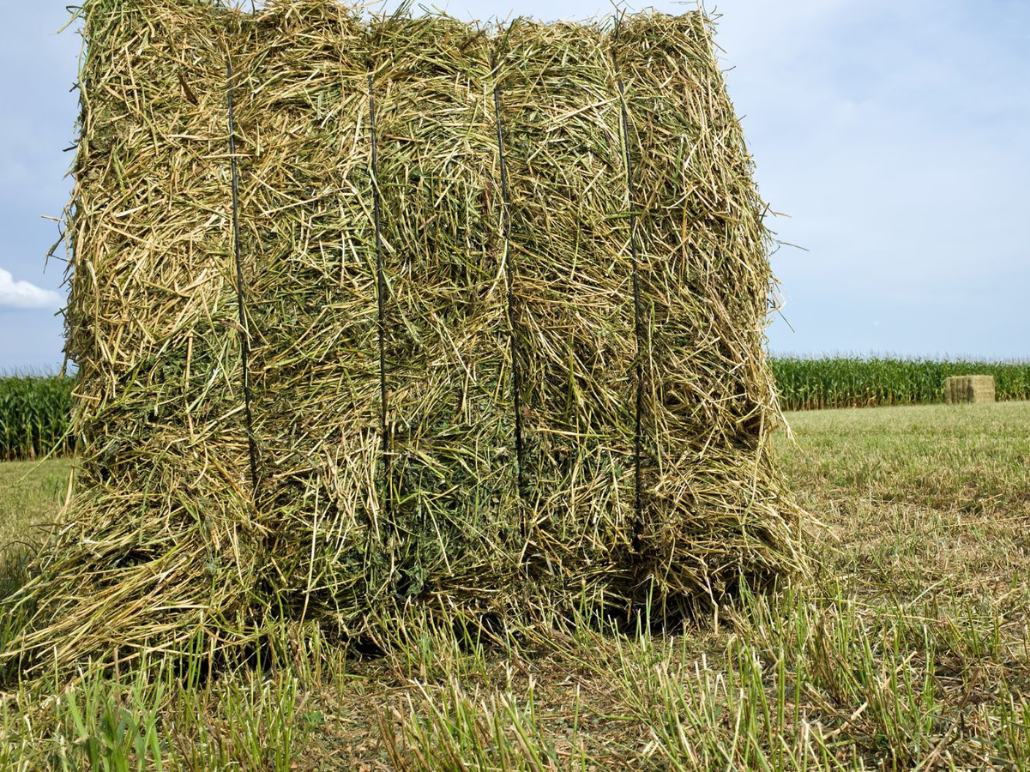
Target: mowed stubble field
[(908, 648)]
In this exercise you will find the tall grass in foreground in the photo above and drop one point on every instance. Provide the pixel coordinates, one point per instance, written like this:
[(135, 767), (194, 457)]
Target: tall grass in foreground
[(810, 679), (834, 382), (34, 416)]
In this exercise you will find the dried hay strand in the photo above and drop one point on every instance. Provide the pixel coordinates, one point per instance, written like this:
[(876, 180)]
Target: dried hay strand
[(490, 336), (969, 389)]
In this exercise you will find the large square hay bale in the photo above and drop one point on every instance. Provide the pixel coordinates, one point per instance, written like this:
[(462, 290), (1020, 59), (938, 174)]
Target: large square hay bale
[(471, 319), (969, 389)]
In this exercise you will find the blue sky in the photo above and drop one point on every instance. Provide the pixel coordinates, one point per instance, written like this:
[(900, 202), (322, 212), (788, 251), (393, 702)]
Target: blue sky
[(894, 133)]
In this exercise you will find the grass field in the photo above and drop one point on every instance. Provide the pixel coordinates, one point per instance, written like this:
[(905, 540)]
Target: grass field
[(909, 648)]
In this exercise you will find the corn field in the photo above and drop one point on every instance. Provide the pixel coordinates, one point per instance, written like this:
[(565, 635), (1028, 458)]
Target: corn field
[(812, 384), (34, 416)]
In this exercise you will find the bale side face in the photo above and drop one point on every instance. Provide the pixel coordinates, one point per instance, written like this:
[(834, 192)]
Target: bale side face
[(301, 100), (573, 305), (969, 389), (162, 541), (544, 323), (712, 503)]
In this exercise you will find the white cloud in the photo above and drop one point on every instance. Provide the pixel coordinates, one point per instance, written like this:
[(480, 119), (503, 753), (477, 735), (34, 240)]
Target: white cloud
[(22, 294)]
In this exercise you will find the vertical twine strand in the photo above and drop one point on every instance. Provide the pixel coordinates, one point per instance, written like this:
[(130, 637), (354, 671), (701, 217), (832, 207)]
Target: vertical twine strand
[(381, 296), (516, 372), (637, 315), (240, 300)]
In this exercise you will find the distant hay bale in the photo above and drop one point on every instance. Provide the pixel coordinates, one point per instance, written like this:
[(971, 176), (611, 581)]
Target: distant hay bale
[(969, 389), (475, 320)]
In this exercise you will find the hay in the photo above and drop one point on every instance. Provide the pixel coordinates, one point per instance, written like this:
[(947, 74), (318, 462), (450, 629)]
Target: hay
[(969, 389), (303, 118), (714, 511), (573, 304), (503, 297), (163, 540)]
